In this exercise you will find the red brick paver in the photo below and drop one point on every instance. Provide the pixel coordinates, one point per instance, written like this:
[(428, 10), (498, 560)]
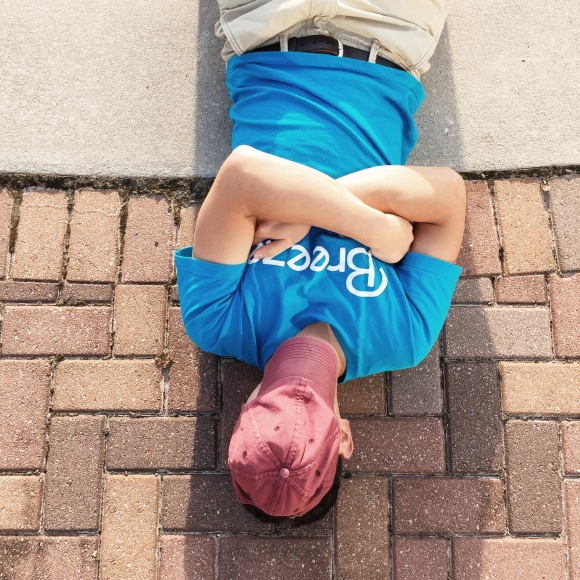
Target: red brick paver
[(108, 385), (565, 206), (524, 228), (39, 247), (476, 332), (187, 558), (193, 373), (148, 240), (5, 222), (399, 445), (551, 388), (86, 293), (11, 291), (188, 216), (417, 391), (479, 254), (129, 540), (424, 558), (56, 330), (245, 557), (114, 427), (366, 396), (514, 558), (139, 319), (572, 509), (24, 392), (474, 417), (521, 290), (534, 487), (48, 557), (571, 446), (161, 443), (362, 523), (20, 502), (565, 303), (205, 503), (74, 471), (94, 236), (238, 380), (322, 527), (472, 506), (473, 291)]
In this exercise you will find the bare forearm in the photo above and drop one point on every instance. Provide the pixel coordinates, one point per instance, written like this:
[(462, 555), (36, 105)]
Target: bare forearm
[(271, 188), (253, 186), (418, 194)]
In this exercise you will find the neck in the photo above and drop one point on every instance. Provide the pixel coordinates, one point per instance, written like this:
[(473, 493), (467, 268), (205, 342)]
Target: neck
[(323, 331)]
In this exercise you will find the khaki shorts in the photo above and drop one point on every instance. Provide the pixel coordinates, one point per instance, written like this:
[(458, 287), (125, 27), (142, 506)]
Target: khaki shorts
[(403, 31)]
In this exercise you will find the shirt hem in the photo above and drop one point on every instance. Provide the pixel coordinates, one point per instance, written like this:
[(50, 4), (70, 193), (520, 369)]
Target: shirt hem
[(328, 61), (184, 261), (429, 264)]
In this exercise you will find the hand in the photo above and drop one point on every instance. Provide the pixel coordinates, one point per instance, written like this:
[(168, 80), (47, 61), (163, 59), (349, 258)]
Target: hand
[(283, 236), (394, 237)]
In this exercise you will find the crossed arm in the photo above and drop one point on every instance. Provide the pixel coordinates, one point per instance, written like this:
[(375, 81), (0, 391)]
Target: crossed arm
[(374, 206)]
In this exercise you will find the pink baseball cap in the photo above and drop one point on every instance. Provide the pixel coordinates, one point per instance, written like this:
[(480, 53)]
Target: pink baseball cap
[(284, 449)]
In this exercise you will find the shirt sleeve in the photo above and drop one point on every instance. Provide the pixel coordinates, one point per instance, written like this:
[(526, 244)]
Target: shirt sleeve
[(206, 291), (429, 284)]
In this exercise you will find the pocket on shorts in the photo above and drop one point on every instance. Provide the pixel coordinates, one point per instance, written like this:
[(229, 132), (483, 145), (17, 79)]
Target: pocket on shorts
[(249, 24), (409, 30)]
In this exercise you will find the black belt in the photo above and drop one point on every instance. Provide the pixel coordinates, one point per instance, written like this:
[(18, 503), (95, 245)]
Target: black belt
[(323, 44)]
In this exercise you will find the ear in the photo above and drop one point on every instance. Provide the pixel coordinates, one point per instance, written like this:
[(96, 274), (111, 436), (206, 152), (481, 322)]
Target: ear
[(345, 446), (253, 394)]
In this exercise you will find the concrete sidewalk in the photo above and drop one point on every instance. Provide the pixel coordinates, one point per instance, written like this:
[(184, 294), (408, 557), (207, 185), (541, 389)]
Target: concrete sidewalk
[(114, 427), (136, 87)]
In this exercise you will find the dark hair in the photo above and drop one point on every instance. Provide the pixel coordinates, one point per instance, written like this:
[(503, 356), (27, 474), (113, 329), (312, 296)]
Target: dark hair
[(315, 514)]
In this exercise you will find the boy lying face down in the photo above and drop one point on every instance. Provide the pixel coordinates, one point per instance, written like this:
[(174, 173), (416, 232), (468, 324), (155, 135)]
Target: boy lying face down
[(315, 280), (318, 256)]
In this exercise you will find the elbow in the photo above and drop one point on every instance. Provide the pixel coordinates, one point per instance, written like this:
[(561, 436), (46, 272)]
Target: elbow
[(458, 188), (240, 162), (235, 176), (241, 152), (456, 192)]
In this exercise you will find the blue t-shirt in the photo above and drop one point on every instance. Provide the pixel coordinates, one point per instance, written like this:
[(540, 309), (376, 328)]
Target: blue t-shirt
[(384, 316), (339, 116)]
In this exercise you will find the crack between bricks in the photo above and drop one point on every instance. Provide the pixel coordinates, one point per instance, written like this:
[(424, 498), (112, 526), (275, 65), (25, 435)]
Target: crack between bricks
[(97, 211)]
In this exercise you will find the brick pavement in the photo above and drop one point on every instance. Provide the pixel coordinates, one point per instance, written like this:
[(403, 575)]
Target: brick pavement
[(114, 427)]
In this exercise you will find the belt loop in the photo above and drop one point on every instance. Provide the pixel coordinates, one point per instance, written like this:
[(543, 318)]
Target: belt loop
[(284, 42), (374, 50)]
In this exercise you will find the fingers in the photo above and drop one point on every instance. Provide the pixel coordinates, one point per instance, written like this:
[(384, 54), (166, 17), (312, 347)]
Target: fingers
[(269, 230), (287, 234), (273, 249)]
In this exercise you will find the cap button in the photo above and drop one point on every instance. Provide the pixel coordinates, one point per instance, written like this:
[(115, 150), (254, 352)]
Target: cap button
[(284, 473)]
